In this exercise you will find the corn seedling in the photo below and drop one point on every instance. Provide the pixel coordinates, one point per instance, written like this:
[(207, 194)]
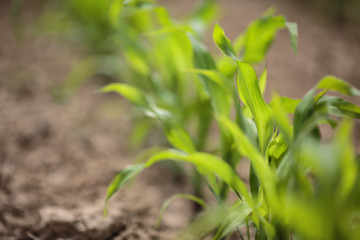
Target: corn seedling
[(300, 186)]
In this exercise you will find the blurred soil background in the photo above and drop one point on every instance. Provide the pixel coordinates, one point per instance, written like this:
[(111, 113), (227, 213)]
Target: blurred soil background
[(56, 160)]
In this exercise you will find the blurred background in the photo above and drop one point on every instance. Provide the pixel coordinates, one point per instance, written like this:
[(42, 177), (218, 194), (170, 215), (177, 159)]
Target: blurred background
[(61, 142)]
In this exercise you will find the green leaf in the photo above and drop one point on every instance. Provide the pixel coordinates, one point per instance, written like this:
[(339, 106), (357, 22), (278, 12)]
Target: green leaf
[(235, 218), (278, 147), (262, 81), (163, 16), (303, 111), (167, 202), (288, 104), (206, 164), (132, 94), (174, 131), (259, 37), (218, 78), (179, 138), (343, 144), (305, 217), (250, 94), (211, 80), (114, 12), (119, 180), (206, 11), (263, 171), (340, 107), (204, 14), (204, 224), (336, 84), (280, 114), (139, 132), (293, 31), (222, 42)]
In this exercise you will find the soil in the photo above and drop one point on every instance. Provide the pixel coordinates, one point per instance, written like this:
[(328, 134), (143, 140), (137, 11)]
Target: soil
[(56, 160)]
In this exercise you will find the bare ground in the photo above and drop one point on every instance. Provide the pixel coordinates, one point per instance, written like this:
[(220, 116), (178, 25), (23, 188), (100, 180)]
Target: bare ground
[(56, 160)]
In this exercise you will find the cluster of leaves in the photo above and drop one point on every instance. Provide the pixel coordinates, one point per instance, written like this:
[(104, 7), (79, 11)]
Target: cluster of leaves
[(300, 186)]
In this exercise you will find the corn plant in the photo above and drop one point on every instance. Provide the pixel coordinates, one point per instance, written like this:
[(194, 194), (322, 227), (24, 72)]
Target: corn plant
[(139, 44), (300, 186), (165, 70)]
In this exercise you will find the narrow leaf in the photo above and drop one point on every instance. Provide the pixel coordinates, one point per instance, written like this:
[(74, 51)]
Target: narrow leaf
[(119, 180), (250, 94), (222, 42), (336, 84), (177, 196), (293, 31)]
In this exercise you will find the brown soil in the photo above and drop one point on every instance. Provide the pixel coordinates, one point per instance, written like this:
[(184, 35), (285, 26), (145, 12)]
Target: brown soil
[(56, 160)]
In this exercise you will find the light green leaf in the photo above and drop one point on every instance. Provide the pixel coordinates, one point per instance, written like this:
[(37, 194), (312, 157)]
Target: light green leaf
[(203, 61), (132, 94), (222, 42), (179, 138), (336, 84), (340, 107), (262, 81), (204, 14), (293, 31), (259, 37), (120, 179), (278, 147), (204, 224), (205, 164), (263, 171), (250, 94), (218, 78), (167, 202), (235, 218), (174, 131), (114, 12), (163, 16), (288, 104), (280, 115), (139, 132), (305, 217), (343, 145)]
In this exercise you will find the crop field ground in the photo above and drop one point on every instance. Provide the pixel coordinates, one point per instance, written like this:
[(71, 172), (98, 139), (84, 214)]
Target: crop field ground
[(57, 159)]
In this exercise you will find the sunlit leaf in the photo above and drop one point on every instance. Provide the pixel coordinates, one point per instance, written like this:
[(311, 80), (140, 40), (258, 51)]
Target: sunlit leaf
[(245, 147), (259, 37), (336, 84), (134, 95), (250, 94), (222, 42), (120, 179), (262, 81), (235, 218)]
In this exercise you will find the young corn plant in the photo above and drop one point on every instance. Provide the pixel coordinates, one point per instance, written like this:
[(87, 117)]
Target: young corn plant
[(138, 44), (212, 80), (300, 186), (163, 68)]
